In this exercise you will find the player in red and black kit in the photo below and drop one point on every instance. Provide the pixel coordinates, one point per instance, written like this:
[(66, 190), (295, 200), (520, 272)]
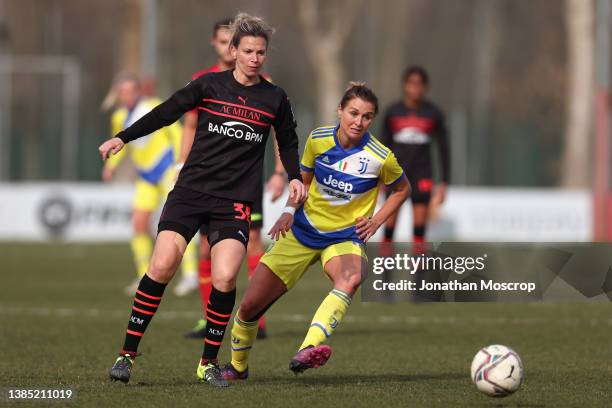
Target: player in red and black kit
[(410, 127), (220, 42), (217, 185)]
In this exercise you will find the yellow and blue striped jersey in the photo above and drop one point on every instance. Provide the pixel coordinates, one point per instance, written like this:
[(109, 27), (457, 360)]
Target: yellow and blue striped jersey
[(344, 187), (153, 154)]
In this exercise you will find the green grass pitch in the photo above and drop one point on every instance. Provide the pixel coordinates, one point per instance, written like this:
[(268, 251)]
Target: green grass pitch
[(63, 317)]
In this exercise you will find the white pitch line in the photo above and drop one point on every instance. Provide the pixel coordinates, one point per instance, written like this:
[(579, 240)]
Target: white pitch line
[(63, 312)]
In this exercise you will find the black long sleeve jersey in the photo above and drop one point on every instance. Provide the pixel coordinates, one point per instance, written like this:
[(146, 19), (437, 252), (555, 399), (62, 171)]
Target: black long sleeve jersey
[(226, 159), (409, 134)]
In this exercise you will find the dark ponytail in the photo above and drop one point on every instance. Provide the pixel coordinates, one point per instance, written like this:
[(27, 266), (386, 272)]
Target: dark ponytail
[(361, 91)]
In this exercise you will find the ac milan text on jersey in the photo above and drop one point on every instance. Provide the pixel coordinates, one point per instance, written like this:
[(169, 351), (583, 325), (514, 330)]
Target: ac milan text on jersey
[(234, 121)]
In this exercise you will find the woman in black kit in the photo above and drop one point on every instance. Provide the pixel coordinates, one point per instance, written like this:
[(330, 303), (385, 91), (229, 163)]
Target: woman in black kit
[(409, 128), (216, 186)]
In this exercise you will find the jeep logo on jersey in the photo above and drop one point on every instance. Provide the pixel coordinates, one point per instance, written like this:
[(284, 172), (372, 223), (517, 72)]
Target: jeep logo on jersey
[(340, 185), (237, 130)]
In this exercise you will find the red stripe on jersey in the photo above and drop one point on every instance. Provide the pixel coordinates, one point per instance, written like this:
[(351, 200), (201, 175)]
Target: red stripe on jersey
[(240, 106), (214, 68), (134, 333), (233, 117), (217, 68), (398, 123)]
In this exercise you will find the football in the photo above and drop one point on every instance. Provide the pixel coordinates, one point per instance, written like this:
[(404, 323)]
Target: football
[(497, 371)]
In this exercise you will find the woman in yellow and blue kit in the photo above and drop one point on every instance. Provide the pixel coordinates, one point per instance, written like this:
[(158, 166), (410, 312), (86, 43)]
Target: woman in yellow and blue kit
[(343, 166), (154, 157)]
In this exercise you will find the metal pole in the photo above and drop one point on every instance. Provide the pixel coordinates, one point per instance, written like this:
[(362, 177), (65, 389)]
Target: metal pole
[(5, 97), (602, 212), (5, 116), (484, 56), (148, 33), (70, 119), (604, 14)]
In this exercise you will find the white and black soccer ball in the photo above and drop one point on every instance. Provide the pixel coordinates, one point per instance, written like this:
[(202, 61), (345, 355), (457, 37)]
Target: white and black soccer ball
[(497, 371)]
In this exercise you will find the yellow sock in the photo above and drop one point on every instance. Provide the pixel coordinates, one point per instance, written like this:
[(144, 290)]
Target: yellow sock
[(142, 248), (329, 314), (189, 265), (243, 337)]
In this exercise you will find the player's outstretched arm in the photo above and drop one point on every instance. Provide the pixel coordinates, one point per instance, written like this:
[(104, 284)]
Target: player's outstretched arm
[(164, 114), (367, 227), (113, 146)]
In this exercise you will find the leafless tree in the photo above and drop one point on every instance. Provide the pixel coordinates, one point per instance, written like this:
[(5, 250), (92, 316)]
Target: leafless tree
[(581, 53), (324, 47)]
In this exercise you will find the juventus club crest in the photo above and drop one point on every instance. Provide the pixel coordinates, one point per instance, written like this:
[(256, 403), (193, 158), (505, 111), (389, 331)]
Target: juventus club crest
[(363, 164)]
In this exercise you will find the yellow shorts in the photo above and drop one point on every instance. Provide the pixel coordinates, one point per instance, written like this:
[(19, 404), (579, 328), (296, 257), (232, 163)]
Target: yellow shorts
[(149, 196), (288, 259)]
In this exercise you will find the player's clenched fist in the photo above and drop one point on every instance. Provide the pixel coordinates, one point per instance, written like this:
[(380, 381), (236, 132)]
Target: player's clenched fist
[(113, 146)]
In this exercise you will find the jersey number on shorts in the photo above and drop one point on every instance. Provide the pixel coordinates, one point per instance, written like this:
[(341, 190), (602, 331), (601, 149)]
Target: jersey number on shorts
[(243, 212)]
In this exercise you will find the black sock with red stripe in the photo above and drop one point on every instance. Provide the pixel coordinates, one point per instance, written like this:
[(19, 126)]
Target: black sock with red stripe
[(418, 240), (389, 232), (147, 300), (218, 314), (418, 234)]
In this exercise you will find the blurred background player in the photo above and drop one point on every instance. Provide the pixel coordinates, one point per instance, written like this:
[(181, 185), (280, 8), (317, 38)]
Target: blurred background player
[(220, 41), (154, 157), (409, 128)]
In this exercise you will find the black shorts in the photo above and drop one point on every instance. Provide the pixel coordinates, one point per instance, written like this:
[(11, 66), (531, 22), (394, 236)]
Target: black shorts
[(256, 217), (187, 210), (422, 187), (421, 184)]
